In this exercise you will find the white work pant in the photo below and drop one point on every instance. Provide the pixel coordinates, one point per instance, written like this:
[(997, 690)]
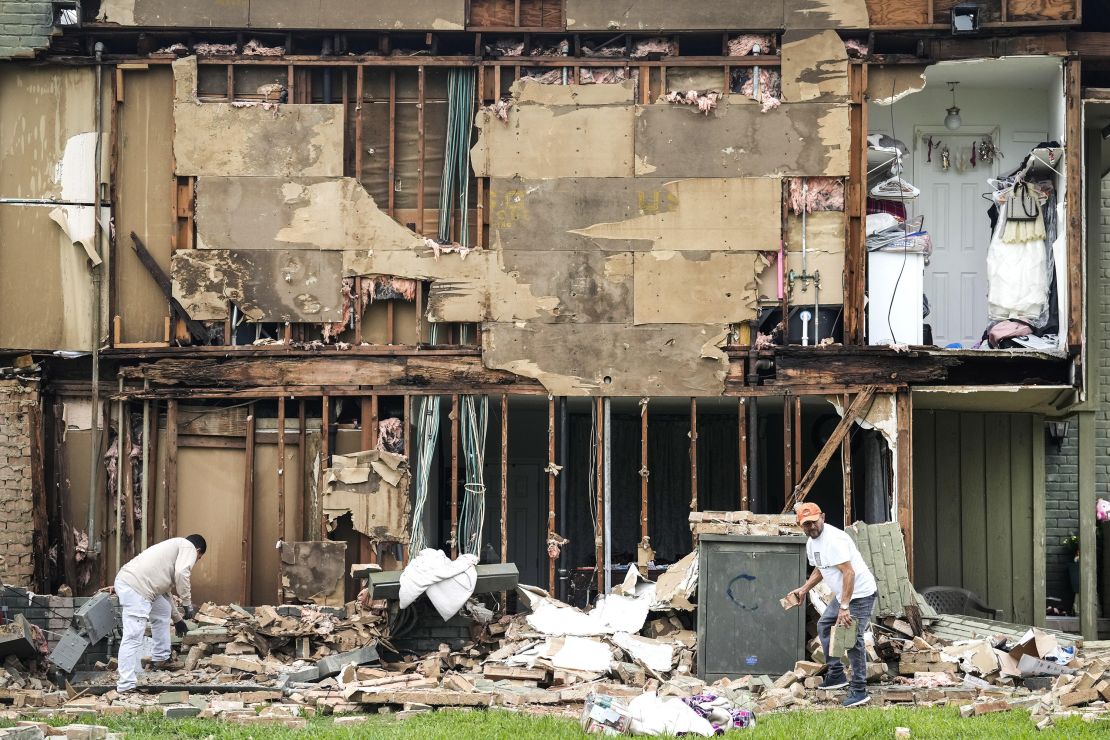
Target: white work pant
[(137, 611)]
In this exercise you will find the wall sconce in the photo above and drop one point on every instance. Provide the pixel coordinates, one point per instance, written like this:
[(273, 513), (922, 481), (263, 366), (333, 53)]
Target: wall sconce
[(965, 19), (952, 121), (1057, 432)]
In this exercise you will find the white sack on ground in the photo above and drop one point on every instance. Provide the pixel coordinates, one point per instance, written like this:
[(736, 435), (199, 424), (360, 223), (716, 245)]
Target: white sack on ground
[(654, 716), (448, 583)]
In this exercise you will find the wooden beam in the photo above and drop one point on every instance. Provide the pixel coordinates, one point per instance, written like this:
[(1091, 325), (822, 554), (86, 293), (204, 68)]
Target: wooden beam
[(248, 512), (454, 475), (325, 461), (1073, 158), (392, 139), (855, 258), (787, 451), (127, 517), (693, 454), (302, 451), (148, 515), (742, 433), (644, 470), (550, 491), (420, 148), (903, 461), (359, 101), (599, 535), (797, 437), (171, 467), (366, 416), (859, 407), (281, 476), (846, 468)]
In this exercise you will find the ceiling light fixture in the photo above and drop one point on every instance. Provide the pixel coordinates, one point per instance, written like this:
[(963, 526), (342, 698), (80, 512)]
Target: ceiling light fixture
[(952, 121)]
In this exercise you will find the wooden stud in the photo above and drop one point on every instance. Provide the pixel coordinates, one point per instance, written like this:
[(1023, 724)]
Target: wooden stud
[(148, 509), (248, 511), (504, 478), (644, 471), (788, 448), (420, 78), (128, 517), (359, 103), (408, 417), (281, 469), (846, 466), (171, 467), (230, 82), (419, 307), (599, 538), (389, 322), (289, 77), (367, 428), (550, 490), (855, 261), (797, 437), (1073, 163), (325, 459), (392, 140), (302, 451), (742, 433), (356, 306), (455, 475), (903, 460), (693, 454), (516, 13)]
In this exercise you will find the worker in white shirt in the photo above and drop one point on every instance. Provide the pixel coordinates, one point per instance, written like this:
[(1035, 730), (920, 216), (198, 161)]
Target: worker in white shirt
[(143, 587), (838, 563)]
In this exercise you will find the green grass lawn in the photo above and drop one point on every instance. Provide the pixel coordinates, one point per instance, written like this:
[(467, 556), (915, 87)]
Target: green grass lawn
[(851, 723)]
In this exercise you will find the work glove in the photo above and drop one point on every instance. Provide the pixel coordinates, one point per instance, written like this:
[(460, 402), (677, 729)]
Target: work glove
[(181, 628), (190, 611)]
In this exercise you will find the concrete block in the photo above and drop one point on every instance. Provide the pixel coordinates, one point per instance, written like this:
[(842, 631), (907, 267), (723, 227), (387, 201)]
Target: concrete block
[(181, 710), (333, 664)]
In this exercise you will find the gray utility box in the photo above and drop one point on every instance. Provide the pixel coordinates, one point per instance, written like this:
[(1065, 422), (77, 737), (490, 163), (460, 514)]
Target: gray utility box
[(742, 628)]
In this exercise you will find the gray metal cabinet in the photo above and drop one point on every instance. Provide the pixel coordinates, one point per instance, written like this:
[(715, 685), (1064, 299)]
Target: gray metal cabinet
[(742, 628)]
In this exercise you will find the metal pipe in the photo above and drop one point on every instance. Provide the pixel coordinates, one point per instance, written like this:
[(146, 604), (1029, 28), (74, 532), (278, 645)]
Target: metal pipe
[(145, 495), (97, 275), (608, 492), (816, 308), (805, 196)]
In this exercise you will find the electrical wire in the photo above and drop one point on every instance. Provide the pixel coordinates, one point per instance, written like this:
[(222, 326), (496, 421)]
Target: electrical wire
[(474, 418), (427, 434), (456, 159)]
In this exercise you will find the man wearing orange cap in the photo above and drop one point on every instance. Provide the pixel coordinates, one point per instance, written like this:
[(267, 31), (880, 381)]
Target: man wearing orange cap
[(838, 562)]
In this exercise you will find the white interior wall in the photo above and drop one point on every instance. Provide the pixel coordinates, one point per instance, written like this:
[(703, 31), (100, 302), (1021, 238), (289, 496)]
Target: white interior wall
[(1022, 96)]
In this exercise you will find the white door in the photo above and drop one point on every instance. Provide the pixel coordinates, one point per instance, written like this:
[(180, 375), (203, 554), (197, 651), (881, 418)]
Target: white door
[(956, 219)]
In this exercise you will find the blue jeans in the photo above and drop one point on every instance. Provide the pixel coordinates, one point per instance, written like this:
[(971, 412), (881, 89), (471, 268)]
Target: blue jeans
[(860, 609)]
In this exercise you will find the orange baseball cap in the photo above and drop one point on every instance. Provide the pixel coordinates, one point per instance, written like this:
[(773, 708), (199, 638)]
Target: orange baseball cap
[(807, 512)]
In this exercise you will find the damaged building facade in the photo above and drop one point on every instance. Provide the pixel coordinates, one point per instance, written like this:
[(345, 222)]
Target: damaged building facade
[(534, 280)]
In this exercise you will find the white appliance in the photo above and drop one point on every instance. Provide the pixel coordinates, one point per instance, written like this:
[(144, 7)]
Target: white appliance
[(895, 286)]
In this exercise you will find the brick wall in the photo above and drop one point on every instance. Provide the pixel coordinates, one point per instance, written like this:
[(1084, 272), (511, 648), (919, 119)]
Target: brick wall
[(25, 27), (1061, 468), (18, 401)]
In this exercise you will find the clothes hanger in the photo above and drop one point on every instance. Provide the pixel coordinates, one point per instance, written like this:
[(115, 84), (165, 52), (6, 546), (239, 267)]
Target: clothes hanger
[(895, 188)]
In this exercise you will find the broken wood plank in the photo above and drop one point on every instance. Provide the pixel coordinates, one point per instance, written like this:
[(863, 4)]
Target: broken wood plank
[(196, 329)]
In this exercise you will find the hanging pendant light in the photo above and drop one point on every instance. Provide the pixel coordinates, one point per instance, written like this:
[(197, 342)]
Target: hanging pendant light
[(952, 121)]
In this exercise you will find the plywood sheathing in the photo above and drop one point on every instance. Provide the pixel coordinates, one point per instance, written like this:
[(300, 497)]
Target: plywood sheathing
[(255, 139), (558, 131), (381, 15), (814, 67), (278, 285), (635, 214), (887, 84), (657, 15), (592, 359), (803, 139), (695, 287), (295, 213), (372, 486)]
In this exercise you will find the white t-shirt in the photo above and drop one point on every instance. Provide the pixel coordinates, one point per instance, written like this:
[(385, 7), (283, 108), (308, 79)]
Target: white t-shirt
[(833, 548)]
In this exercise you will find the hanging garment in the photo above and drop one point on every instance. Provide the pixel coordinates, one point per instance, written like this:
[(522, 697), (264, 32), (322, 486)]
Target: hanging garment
[(1018, 275)]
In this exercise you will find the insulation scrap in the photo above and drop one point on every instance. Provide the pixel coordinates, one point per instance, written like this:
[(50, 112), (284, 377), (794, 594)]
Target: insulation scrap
[(273, 92), (439, 248), (856, 49), (770, 86), (821, 194), (214, 50), (255, 48), (704, 102), (608, 49), (387, 288), (744, 44), (559, 49), (550, 77), (178, 49), (500, 110), (605, 75), (654, 47), (391, 436), (512, 47)]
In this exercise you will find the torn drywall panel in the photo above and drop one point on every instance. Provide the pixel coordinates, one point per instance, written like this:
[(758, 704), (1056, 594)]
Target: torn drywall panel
[(814, 67), (808, 139), (587, 287), (295, 213), (531, 92), (658, 15), (368, 15), (372, 487), (610, 360), (255, 139), (278, 285), (889, 83), (167, 13), (695, 287), (635, 214), (702, 79), (824, 231), (841, 14), (542, 142), (314, 572)]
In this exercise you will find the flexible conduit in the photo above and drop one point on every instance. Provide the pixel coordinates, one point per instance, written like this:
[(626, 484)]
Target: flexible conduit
[(456, 159), (427, 434), (475, 418)]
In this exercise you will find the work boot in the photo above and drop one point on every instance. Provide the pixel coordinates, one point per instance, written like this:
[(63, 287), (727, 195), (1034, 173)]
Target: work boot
[(169, 664)]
